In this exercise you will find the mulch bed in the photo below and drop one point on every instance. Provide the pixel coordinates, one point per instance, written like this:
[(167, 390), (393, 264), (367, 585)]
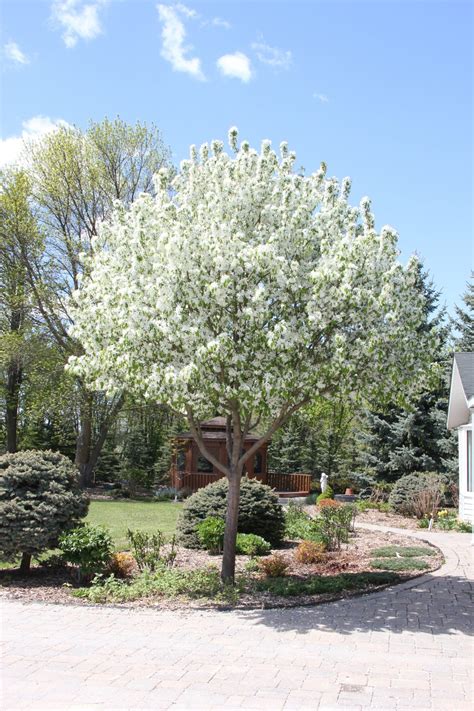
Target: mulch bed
[(54, 585)]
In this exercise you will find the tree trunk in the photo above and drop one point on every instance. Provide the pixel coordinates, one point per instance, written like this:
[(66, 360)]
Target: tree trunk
[(13, 391), (87, 451), (232, 518), (25, 563), (84, 440)]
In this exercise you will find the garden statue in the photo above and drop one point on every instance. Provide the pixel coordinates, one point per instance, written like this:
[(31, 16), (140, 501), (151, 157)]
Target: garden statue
[(324, 482)]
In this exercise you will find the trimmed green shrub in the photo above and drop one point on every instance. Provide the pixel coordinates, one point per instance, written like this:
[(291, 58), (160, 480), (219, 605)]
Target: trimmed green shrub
[(39, 500), (405, 491), (259, 511), (88, 547), (251, 544), (328, 493), (211, 534)]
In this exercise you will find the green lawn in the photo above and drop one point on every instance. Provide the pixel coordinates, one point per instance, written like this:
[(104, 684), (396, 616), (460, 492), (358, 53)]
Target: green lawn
[(118, 516)]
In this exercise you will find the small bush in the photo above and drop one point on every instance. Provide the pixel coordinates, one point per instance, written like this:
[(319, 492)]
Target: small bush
[(250, 544), (403, 497), (275, 566), (403, 551), (147, 549), (333, 525), (297, 522), (211, 534), (88, 547), (328, 504), (399, 564), (259, 511), (310, 552), (39, 500), (424, 522), (122, 565), (327, 494), (464, 527)]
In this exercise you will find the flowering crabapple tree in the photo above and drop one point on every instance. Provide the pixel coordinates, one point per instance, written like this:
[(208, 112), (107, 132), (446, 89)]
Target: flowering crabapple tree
[(244, 289)]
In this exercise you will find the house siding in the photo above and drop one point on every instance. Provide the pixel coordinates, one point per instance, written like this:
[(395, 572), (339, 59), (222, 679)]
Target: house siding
[(466, 498)]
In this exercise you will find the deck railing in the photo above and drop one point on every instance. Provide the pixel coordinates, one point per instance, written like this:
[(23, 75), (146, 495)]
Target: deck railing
[(281, 482), (289, 482)]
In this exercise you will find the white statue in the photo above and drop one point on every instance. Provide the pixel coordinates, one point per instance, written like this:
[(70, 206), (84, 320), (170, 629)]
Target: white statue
[(324, 482)]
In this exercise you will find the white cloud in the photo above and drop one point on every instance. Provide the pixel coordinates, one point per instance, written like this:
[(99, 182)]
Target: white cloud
[(219, 22), (173, 35), (78, 19), (12, 148), (235, 65), (14, 53), (185, 10), (273, 56), (321, 97)]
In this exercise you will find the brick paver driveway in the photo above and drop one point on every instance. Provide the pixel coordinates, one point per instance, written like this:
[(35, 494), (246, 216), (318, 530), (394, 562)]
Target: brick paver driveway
[(404, 648)]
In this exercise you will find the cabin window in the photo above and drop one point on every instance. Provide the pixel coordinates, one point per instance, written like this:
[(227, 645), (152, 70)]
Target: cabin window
[(204, 465), (258, 463), (469, 460), (181, 461)]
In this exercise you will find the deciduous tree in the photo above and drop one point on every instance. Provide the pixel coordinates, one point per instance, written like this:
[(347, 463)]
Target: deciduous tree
[(245, 291)]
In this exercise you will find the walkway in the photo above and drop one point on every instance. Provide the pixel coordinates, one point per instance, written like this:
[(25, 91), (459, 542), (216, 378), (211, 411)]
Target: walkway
[(404, 648)]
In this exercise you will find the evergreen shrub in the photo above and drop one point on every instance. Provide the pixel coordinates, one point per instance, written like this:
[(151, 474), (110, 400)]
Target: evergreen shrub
[(39, 500), (259, 511)]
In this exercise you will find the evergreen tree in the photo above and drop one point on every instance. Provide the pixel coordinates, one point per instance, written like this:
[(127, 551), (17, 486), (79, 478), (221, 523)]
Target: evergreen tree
[(404, 441), (464, 321)]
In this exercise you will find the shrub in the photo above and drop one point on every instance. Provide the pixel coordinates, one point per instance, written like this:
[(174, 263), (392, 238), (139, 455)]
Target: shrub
[(39, 500), (250, 544), (327, 494), (427, 501), (297, 522), (211, 534), (122, 565), (333, 525), (259, 511), (147, 549), (310, 552), (275, 566), (464, 527), (406, 489), (329, 504), (88, 547), (398, 564)]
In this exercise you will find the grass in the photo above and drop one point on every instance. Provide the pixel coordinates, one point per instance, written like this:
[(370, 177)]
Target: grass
[(403, 551), (119, 516)]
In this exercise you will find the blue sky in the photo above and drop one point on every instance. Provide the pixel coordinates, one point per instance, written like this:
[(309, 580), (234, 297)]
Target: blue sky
[(380, 90)]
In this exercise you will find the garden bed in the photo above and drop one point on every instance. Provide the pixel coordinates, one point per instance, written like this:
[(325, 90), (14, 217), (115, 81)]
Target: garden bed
[(355, 569)]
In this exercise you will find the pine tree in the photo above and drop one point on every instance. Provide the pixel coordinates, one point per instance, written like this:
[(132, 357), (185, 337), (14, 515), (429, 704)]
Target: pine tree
[(404, 441), (464, 321)]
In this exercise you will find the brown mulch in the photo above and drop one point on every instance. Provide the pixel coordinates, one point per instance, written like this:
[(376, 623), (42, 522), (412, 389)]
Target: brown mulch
[(54, 585), (382, 518)]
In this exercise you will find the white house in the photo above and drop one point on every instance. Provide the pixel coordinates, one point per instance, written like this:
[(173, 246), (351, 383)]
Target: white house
[(461, 416)]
